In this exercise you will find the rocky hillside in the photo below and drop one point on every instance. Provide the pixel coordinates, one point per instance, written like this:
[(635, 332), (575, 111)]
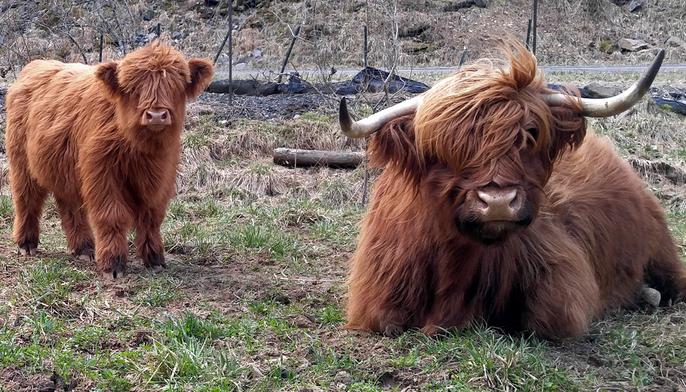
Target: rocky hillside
[(403, 32)]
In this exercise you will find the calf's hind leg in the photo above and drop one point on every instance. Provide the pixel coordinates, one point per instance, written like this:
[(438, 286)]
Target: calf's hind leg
[(28, 198), (76, 228)]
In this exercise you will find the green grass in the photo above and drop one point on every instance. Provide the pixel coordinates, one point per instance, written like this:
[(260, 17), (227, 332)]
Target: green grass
[(47, 284)]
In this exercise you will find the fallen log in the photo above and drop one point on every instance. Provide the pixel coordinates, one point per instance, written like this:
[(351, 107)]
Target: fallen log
[(291, 157)]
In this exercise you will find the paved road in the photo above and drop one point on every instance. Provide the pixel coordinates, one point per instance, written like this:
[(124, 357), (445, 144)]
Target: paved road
[(223, 72)]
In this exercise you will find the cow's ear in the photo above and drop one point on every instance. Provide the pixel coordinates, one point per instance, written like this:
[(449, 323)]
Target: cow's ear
[(568, 130), (394, 144), (201, 76), (107, 74)]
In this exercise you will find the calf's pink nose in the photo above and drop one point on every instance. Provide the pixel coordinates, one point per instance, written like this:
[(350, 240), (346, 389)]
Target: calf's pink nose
[(156, 117)]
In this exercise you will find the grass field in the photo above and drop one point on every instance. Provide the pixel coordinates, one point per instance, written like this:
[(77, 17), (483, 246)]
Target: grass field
[(253, 299)]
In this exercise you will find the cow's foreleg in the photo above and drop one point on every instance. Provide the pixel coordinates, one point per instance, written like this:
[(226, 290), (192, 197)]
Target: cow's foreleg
[(448, 311), (564, 300), (149, 245), (76, 228)]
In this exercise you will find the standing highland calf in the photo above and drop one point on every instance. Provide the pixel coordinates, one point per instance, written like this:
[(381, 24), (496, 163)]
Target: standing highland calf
[(496, 203), (105, 141)]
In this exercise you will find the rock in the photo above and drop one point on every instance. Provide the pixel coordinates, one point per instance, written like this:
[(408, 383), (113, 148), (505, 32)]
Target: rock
[(413, 30), (244, 87), (343, 377), (295, 85), (676, 42), (371, 79), (651, 296), (257, 53), (673, 99), (302, 321), (597, 90), (632, 45), (148, 14), (177, 35), (635, 5), (458, 5)]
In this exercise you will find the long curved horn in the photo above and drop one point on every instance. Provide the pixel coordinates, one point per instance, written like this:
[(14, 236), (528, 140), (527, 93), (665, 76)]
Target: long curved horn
[(371, 124), (607, 107)]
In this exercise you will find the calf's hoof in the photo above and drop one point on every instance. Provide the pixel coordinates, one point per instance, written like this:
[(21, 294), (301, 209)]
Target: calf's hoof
[(28, 248), (393, 330), (85, 252), (154, 261), (113, 267)]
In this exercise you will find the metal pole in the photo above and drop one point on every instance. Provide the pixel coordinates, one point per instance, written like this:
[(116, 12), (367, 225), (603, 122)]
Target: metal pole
[(365, 46), (100, 53), (533, 30), (288, 53), (528, 36), (158, 30), (230, 53)]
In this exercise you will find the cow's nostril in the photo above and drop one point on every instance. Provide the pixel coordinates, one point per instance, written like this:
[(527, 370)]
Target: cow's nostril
[(164, 115)]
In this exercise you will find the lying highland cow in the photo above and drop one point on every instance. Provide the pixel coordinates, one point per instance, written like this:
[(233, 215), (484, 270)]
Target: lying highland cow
[(496, 203), (105, 140)]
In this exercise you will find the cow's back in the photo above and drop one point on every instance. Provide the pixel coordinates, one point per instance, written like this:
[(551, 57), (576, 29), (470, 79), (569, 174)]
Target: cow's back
[(605, 206), (48, 112)]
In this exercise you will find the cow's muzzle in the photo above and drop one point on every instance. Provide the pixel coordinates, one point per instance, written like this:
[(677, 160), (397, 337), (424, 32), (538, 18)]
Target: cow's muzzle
[(495, 212)]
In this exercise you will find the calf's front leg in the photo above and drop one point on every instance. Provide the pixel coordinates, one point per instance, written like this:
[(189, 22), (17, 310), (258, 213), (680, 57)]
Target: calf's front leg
[(149, 245)]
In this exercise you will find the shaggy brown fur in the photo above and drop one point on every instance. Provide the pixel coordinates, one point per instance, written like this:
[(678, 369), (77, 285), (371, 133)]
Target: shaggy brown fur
[(593, 237), (78, 132)]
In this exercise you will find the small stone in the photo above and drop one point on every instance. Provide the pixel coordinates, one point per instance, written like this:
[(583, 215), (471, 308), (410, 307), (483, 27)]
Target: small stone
[(676, 42), (302, 321), (148, 15), (343, 377), (597, 90), (632, 45), (651, 296), (635, 5)]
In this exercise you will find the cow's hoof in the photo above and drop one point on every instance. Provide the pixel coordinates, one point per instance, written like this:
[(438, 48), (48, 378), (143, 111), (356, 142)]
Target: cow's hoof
[(114, 268), (154, 261)]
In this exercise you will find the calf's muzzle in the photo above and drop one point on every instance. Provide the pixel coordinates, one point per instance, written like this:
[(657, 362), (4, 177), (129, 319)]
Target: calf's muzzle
[(156, 117)]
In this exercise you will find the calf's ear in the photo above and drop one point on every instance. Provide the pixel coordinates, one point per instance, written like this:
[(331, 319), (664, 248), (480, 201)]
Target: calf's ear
[(201, 76), (107, 74)]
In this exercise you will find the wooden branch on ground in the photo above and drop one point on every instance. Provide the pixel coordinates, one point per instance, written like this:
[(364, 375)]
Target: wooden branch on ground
[(291, 157)]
